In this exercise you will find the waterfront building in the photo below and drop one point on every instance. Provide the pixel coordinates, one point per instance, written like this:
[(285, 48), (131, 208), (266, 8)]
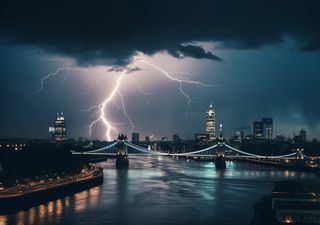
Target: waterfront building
[(14, 144), (263, 129), (58, 132), (290, 202), (296, 205), (211, 123), (135, 137)]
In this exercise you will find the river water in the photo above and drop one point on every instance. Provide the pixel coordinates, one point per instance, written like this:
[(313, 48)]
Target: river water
[(163, 191)]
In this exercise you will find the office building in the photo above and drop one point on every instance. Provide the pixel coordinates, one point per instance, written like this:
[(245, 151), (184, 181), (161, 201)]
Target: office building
[(211, 123), (58, 132), (263, 129), (267, 128), (258, 129), (135, 137)]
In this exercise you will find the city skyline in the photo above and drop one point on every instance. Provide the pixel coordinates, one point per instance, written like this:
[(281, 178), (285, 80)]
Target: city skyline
[(247, 74), (259, 130), (160, 112)]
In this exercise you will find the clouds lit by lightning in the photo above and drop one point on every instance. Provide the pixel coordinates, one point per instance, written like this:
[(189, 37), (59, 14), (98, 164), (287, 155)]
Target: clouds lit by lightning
[(144, 93), (102, 109), (125, 111), (45, 78), (180, 82)]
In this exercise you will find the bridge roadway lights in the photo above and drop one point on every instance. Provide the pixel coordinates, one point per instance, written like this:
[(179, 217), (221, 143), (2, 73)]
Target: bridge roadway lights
[(123, 161)]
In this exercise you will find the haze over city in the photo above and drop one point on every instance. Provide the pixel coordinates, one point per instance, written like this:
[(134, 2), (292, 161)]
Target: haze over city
[(253, 67)]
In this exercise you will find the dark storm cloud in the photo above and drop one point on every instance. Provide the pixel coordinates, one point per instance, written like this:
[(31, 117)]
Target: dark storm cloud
[(110, 32), (193, 51), (121, 68)]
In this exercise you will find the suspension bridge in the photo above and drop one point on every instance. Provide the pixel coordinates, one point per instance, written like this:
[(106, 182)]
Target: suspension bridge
[(122, 147)]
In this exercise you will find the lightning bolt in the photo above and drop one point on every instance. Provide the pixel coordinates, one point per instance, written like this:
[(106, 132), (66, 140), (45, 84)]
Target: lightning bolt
[(102, 110), (92, 82), (180, 82), (45, 78), (144, 93), (125, 111)]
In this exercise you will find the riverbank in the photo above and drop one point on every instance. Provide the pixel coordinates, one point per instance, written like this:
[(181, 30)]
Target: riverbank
[(275, 164), (21, 197)]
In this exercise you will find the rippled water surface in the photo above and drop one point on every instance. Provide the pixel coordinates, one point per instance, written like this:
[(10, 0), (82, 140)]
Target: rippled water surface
[(164, 191)]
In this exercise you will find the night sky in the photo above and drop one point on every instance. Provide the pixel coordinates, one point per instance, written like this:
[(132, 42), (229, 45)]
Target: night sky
[(258, 59)]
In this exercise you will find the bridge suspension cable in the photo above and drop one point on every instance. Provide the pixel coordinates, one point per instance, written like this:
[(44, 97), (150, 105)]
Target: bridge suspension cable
[(195, 152), (142, 149), (259, 156), (103, 149), (147, 151)]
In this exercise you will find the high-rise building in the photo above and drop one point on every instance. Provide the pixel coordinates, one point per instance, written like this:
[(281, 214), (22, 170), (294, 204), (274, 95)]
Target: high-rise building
[(267, 128), (263, 129), (211, 123), (258, 129), (303, 135), (135, 137), (58, 132)]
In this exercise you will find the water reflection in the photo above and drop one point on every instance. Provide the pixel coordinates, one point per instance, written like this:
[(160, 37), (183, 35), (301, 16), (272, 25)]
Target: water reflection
[(165, 191), (53, 212), (3, 220), (122, 193)]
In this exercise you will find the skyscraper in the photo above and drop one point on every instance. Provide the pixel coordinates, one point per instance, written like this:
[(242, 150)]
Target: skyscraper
[(211, 123), (258, 129), (263, 129), (303, 135), (135, 137), (267, 128), (59, 131)]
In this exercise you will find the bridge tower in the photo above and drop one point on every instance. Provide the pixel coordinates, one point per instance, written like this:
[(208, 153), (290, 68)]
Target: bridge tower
[(122, 160), (220, 158), (300, 160)]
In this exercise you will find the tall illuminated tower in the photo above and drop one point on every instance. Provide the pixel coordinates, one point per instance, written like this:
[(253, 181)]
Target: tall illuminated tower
[(58, 132), (211, 123)]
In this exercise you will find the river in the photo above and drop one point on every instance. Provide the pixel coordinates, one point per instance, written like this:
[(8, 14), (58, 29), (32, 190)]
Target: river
[(163, 191)]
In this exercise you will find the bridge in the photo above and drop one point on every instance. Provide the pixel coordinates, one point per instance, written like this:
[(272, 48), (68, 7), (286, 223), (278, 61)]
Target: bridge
[(122, 149)]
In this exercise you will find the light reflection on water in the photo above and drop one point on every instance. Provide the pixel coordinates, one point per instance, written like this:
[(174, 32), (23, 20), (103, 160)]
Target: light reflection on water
[(163, 190)]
